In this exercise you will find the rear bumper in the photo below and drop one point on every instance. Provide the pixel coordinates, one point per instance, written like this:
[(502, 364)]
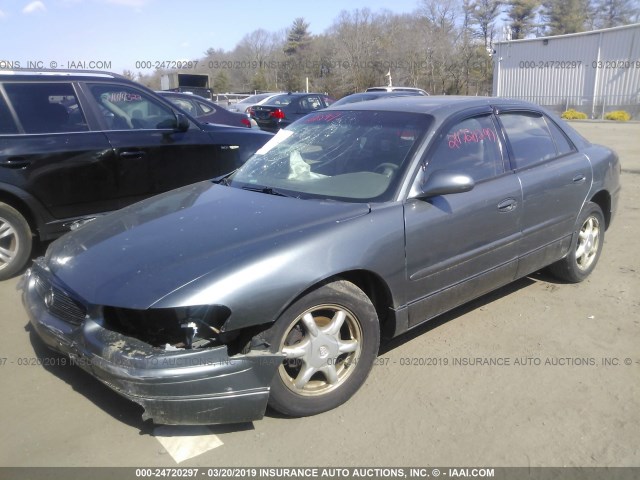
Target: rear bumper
[(183, 387)]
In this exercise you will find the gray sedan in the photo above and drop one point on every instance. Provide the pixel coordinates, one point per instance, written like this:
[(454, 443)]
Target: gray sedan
[(275, 285)]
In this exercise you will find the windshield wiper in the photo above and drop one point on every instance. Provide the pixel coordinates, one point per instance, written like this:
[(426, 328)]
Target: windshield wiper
[(223, 179), (267, 190)]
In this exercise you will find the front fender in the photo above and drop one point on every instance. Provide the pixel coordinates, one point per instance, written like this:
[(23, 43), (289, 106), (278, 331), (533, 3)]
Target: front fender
[(258, 289)]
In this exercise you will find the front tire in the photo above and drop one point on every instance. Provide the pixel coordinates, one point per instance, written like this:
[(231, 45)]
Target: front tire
[(15, 241), (586, 246), (330, 338)]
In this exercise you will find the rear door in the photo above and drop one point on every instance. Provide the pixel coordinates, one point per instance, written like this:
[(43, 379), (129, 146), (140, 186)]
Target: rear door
[(462, 245), (555, 180), (153, 156), (52, 154)]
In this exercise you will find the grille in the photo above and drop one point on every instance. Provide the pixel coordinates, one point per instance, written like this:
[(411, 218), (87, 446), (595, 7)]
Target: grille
[(59, 303)]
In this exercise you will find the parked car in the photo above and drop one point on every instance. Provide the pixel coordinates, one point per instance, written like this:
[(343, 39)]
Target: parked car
[(205, 110), (286, 108), (243, 105), (417, 91), (275, 284), (77, 144), (366, 96)]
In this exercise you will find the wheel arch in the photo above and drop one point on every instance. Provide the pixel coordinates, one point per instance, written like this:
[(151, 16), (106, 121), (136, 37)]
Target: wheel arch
[(374, 287), (603, 200), (21, 206)]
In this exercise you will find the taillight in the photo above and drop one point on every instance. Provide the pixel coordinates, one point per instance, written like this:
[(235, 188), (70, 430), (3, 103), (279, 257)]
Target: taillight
[(251, 111), (277, 113), (246, 122)]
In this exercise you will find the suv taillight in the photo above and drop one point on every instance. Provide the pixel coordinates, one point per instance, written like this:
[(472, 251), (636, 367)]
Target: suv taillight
[(246, 122), (277, 113)]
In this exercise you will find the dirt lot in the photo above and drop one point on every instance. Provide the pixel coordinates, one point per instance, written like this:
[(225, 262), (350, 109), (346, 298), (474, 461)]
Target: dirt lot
[(567, 392)]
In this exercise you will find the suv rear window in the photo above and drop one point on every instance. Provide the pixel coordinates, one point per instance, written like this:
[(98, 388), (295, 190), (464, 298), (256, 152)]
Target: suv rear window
[(46, 107)]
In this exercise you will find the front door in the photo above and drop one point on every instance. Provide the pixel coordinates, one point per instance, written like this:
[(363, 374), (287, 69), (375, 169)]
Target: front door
[(462, 245)]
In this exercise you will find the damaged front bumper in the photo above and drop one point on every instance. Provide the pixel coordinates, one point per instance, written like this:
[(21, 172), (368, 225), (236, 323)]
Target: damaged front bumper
[(176, 387)]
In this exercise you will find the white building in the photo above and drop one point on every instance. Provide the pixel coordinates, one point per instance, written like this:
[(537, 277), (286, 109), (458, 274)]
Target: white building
[(594, 72)]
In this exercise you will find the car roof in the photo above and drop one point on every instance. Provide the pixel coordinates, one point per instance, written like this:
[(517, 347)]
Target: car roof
[(397, 89), (39, 75), (366, 96), (298, 94), (178, 94), (441, 105), (259, 96)]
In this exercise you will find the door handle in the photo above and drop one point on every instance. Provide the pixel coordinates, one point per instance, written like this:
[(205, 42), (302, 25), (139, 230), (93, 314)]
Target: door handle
[(507, 205), (15, 163), (132, 155), (580, 178)]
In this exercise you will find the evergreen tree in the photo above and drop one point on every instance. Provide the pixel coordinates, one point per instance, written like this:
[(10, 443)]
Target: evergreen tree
[(565, 16), (613, 13), (221, 82), (521, 17), (259, 81), (298, 37), (484, 14), (298, 40)]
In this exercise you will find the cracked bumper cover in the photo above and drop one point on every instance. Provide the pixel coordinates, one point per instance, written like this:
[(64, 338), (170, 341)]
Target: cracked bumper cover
[(185, 387)]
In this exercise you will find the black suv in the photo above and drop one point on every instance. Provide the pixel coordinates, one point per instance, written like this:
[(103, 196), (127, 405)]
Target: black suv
[(75, 144)]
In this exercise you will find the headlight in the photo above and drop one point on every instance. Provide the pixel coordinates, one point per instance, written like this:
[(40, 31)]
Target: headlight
[(180, 327)]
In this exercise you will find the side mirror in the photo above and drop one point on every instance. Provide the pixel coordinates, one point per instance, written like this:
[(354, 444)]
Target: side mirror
[(445, 182), (178, 124), (182, 123)]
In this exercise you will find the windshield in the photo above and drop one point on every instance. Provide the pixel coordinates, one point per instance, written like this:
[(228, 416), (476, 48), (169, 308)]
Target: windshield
[(355, 156)]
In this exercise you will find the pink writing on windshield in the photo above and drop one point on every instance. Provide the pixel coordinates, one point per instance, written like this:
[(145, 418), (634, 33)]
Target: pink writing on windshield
[(323, 117)]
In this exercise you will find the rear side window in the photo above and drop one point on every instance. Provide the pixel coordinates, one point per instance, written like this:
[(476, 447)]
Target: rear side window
[(531, 139), (308, 104), (46, 107), (470, 146), (6, 122), (205, 107), (562, 144), (185, 105)]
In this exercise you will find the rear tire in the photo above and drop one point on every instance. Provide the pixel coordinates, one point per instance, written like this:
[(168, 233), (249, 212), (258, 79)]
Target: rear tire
[(331, 338), (586, 246), (15, 241)]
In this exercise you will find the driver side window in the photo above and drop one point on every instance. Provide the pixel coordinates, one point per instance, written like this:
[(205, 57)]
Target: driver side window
[(470, 146), (125, 108)]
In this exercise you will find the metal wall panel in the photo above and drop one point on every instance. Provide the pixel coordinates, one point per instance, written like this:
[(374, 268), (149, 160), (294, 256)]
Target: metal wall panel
[(593, 72)]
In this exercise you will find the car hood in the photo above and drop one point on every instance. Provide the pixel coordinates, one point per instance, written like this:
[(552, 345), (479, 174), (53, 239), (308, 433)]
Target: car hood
[(135, 257)]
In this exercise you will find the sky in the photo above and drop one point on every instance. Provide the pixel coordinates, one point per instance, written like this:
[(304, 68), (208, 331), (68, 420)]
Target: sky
[(116, 35)]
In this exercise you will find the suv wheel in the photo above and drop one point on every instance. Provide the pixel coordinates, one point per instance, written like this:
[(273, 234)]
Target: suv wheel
[(15, 241)]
